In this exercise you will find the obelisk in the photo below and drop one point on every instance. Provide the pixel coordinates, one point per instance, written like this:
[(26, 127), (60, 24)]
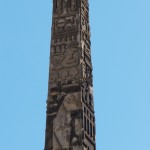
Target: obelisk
[(70, 122)]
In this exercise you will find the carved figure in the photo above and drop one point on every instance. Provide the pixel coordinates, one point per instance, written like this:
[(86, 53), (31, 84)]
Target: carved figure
[(62, 123)]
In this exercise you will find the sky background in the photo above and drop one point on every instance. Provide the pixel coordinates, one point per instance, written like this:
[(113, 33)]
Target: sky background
[(120, 39)]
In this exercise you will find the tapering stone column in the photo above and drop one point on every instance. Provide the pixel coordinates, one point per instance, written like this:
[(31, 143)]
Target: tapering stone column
[(70, 123)]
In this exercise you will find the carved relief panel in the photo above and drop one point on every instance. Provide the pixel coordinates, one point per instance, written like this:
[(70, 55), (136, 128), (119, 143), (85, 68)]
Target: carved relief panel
[(87, 95), (65, 24), (65, 77), (67, 124), (64, 57), (64, 65), (64, 6)]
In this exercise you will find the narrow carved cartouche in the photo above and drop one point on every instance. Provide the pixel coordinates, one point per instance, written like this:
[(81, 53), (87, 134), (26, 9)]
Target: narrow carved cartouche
[(70, 122)]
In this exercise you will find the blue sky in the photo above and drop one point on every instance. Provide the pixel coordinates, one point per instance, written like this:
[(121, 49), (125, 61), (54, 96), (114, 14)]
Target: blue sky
[(120, 39)]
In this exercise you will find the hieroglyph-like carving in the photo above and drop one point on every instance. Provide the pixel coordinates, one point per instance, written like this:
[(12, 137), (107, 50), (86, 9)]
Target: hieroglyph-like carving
[(67, 59), (65, 76), (68, 23), (64, 6), (87, 95), (64, 65)]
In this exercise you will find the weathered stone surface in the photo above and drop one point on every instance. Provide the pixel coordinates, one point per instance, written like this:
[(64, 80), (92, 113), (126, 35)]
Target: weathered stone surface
[(70, 123)]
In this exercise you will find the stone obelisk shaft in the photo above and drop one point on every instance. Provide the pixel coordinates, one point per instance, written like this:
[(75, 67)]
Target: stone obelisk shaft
[(70, 123)]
